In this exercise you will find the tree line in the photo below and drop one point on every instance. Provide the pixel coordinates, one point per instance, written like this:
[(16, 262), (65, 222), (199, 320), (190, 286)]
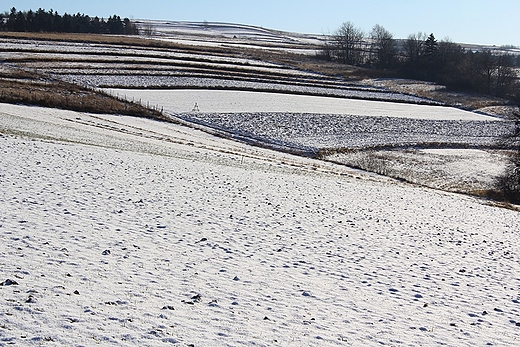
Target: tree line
[(423, 57), (51, 21)]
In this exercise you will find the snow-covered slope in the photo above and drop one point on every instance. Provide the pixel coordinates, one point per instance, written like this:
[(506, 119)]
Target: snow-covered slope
[(231, 35), (126, 232)]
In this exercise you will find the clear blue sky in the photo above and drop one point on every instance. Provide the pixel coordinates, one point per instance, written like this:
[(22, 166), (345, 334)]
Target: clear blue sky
[(464, 21)]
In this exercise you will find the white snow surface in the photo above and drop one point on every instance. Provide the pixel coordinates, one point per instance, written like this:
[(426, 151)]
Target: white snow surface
[(232, 34), (233, 101), (119, 231)]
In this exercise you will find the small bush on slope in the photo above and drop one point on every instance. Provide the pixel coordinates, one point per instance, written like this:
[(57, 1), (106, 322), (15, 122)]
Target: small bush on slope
[(509, 183)]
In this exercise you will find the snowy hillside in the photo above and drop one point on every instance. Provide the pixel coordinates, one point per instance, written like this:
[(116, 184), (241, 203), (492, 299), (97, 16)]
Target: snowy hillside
[(231, 35), (125, 232)]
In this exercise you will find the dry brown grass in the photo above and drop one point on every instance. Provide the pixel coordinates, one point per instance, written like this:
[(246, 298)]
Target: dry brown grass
[(23, 86), (19, 88), (122, 40), (494, 198), (432, 91), (89, 38)]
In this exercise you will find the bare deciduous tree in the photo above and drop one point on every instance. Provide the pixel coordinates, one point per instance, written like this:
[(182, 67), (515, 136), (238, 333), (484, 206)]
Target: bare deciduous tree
[(414, 48), (147, 28), (505, 75), (449, 58), (348, 44), (492, 74), (383, 50)]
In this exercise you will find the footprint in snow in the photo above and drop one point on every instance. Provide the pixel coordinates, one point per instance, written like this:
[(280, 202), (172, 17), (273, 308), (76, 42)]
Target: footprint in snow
[(195, 298), (9, 282)]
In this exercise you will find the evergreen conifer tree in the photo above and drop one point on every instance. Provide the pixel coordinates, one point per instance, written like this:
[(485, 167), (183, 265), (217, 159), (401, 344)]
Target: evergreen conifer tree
[(430, 45)]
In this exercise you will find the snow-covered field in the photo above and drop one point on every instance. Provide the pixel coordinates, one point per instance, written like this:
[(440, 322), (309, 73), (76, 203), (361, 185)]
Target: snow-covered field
[(128, 232), (235, 101), (312, 124), (133, 66), (214, 34), (308, 123)]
